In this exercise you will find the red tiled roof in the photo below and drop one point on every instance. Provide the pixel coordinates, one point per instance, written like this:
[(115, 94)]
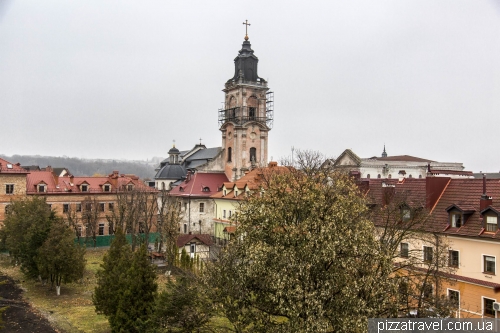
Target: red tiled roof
[(467, 193), (252, 179), (69, 184), (230, 230), (211, 182), (186, 239), (8, 167)]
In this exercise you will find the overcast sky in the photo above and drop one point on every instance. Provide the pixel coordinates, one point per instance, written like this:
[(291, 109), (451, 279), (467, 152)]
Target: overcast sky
[(122, 79)]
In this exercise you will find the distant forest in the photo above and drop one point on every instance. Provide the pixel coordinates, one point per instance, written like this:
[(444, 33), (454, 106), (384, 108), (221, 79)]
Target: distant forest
[(85, 167)]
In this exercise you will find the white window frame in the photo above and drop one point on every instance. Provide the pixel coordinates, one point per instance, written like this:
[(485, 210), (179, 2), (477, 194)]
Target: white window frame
[(459, 298), (482, 306), (423, 253), (483, 259), (13, 189), (489, 223), (453, 222), (459, 256)]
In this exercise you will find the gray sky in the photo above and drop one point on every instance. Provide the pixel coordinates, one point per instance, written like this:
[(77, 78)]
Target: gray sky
[(122, 79)]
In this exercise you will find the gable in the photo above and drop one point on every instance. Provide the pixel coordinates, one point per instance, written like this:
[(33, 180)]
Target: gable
[(347, 158)]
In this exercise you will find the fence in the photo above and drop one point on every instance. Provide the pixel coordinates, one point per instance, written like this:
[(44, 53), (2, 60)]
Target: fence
[(106, 240)]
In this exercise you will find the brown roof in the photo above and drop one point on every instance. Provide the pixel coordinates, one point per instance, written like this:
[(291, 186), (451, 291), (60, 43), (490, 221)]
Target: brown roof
[(402, 158), (186, 239)]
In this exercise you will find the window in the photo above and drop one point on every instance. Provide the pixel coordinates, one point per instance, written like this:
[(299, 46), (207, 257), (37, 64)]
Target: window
[(427, 291), (41, 188), (368, 176), (230, 213), (427, 253), (202, 207), (410, 176), (111, 206), (251, 113), (101, 206), (130, 187), (456, 219), (489, 264), (79, 231), (224, 213), (488, 310), (404, 253), (379, 176), (65, 208), (106, 188), (225, 192), (84, 188), (253, 154), (9, 189), (192, 249), (491, 223), (206, 189), (101, 229), (185, 228), (405, 214), (78, 207), (454, 297), (229, 154), (453, 258)]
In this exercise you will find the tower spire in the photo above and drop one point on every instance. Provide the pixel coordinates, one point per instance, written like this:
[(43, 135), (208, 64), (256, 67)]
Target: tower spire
[(384, 153)]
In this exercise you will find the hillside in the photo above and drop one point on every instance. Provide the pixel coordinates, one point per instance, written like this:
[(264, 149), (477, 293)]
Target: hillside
[(85, 167)]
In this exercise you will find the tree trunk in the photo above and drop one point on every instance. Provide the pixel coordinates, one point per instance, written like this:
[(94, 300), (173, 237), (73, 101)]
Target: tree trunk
[(58, 290)]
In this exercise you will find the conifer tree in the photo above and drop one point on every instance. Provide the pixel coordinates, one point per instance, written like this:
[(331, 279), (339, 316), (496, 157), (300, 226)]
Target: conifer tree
[(110, 279), (60, 258), (137, 299)]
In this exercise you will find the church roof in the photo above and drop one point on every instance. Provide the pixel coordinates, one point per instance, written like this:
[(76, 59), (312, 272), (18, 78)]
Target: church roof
[(171, 171)]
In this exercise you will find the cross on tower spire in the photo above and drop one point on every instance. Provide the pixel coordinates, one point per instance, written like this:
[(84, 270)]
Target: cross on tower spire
[(246, 29)]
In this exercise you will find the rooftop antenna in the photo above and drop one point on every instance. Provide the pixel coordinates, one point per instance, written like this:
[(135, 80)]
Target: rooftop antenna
[(292, 154)]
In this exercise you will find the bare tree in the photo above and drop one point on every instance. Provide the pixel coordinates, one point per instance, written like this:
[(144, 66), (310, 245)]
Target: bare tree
[(90, 218), (169, 218)]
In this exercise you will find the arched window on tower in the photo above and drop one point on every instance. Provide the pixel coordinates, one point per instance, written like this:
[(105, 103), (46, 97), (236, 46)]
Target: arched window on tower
[(253, 155), (229, 154), (252, 104)]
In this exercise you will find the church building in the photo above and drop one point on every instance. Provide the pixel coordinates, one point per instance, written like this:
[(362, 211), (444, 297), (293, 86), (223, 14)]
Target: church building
[(244, 121)]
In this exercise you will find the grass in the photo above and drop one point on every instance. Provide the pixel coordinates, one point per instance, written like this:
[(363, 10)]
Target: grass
[(72, 311)]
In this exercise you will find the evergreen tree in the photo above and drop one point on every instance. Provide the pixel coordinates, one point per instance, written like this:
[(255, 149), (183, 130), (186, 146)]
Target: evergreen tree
[(137, 299), (60, 258), (26, 228), (126, 287), (111, 276)]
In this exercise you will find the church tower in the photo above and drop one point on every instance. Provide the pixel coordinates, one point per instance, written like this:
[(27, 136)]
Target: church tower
[(247, 116)]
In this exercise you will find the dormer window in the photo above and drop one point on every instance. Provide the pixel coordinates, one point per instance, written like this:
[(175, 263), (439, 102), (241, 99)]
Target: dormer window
[(491, 223), (456, 219), (41, 188), (458, 214), (181, 189), (405, 213), (84, 188), (206, 189), (490, 219), (130, 187), (225, 192), (106, 188)]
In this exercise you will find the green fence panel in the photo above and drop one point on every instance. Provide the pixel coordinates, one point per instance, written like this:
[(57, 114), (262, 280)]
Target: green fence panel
[(102, 241)]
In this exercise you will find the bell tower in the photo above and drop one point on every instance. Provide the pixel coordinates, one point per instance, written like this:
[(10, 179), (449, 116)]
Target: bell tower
[(247, 116)]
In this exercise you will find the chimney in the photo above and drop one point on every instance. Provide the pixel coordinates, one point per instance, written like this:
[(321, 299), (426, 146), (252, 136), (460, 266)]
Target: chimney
[(485, 199), (188, 176)]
